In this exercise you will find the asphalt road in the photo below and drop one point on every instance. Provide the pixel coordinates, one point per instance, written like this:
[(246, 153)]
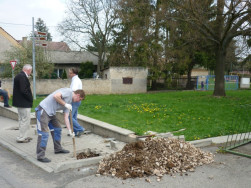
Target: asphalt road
[(228, 170)]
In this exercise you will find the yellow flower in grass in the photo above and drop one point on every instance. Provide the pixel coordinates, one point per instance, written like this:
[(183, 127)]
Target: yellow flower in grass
[(97, 107)]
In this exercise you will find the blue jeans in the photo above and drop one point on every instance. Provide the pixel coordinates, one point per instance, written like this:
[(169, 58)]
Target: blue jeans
[(5, 97), (76, 126)]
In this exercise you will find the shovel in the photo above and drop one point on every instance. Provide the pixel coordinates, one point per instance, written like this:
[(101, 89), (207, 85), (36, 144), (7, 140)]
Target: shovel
[(73, 139)]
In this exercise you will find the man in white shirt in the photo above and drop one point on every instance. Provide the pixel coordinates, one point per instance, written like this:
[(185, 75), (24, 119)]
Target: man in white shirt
[(76, 84)]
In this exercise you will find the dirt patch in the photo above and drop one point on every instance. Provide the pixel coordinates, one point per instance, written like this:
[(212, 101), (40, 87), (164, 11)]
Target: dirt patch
[(85, 155), (154, 156)]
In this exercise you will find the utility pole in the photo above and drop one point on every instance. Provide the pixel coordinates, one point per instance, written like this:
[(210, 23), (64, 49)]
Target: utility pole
[(33, 60)]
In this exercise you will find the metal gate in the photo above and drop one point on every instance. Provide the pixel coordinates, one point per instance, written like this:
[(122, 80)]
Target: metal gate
[(240, 144)]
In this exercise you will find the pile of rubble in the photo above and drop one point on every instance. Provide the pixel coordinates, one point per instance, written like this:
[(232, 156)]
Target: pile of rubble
[(154, 156)]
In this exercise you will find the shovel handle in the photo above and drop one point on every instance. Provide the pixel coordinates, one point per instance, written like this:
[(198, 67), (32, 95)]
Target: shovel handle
[(73, 139)]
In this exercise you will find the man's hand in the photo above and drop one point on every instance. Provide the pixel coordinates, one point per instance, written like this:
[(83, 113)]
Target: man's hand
[(72, 134), (68, 106)]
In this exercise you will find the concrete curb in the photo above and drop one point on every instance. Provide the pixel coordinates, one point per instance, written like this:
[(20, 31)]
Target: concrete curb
[(13, 114), (103, 129), (218, 140), (78, 163)]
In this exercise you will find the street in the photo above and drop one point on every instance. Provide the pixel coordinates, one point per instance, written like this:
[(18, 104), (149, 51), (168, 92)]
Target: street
[(228, 171)]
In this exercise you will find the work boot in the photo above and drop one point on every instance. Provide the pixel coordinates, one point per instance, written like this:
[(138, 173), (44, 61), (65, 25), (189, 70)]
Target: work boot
[(62, 151), (44, 160), (78, 134)]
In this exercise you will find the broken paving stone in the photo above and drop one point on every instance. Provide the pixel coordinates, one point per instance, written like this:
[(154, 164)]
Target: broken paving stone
[(154, 156), (113, 144), (109, 140)]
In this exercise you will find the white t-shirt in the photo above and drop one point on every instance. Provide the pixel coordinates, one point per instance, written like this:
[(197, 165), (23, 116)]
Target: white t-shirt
[(76, 83)]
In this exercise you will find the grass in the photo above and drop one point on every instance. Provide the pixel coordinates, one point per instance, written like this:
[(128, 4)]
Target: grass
[(198, 112)]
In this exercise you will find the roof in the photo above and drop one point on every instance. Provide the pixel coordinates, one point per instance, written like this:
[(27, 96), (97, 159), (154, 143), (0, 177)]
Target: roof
[(53, 46), (72, 57), (58, 46), (6, 35)]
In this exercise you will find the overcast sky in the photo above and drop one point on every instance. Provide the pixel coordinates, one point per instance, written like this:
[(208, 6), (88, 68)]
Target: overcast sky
[(16, 16)]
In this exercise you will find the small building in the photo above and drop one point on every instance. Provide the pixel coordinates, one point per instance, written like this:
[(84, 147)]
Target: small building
[(127, 79)]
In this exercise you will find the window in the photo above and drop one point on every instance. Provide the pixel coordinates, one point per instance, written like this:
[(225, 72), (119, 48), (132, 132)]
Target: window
[(127, 80)]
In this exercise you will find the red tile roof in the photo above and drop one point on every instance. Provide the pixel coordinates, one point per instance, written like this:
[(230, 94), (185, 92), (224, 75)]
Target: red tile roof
[(55, 46), (58, 46)]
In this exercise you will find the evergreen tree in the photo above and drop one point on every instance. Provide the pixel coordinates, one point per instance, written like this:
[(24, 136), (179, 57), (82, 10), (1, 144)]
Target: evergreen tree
[(86, 70), (64, 75), (41, 26)]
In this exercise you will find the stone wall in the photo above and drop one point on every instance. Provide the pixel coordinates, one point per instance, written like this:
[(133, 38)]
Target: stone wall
[(90, 86), (114, 84), (47, 86)]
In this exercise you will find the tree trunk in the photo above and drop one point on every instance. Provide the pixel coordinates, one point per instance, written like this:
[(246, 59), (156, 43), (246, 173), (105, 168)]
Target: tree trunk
[(189, 84), (219, 88)]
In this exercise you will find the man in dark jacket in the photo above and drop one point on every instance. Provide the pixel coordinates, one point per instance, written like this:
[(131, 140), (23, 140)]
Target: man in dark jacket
[(23, 100)]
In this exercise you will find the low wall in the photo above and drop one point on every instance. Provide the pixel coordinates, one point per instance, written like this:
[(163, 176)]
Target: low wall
[(90, 86), (47, 86), (103, 129), (95, 126)]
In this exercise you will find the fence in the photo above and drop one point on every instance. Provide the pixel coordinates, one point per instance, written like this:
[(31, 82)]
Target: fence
[(239, 144), (208, 82), (174, 84)]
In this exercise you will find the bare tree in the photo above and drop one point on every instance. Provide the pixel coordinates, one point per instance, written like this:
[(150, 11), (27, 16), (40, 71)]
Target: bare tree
[(230, 19), (89, 22)]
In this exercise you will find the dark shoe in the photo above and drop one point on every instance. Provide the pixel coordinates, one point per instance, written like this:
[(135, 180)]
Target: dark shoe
[(44, 160), (8, 106), (78, 134), (62, 151), (23, 141)]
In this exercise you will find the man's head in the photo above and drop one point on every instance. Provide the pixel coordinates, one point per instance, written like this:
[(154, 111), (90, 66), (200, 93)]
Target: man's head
[(78, 95), (73, 72), (27, 69)]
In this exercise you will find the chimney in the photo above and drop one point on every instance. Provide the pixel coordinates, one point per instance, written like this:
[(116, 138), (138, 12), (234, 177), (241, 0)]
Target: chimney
[(24, 41)]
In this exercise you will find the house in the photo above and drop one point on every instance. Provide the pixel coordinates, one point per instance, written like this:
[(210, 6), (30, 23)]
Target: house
[(60, 53), (63, 57), (6, 43)]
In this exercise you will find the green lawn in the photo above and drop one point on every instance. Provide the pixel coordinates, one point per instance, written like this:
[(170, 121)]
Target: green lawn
[(198, 112)]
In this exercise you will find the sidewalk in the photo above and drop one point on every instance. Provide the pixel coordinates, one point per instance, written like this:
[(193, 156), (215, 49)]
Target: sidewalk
[(59, 162)]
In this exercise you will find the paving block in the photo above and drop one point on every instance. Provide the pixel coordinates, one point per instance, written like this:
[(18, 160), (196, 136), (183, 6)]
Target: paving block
[(165, 135), (113, 144), (109, 140)]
